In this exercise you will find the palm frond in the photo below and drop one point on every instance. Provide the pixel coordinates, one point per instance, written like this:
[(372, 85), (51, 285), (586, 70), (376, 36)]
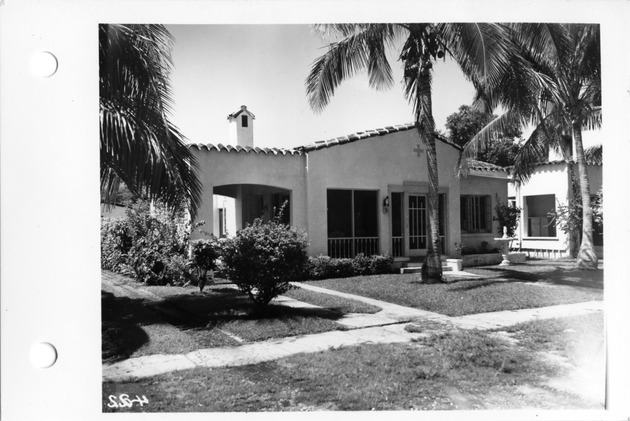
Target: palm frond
[(139, 145), (363, 47), (543, 43), (550, 134), (482, 139), (592, 118), (533, 151), (482, 50), (594, 155)]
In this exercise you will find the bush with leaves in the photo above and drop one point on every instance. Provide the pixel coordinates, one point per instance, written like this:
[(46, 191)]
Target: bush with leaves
[(324, 267), (361, 265), (204, 256), (149, 244), (381, 265), (263, 258), (507, 216), (115, 244), (569, 217)]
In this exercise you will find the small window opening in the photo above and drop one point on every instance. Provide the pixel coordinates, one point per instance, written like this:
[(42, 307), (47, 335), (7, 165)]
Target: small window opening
[(244, 120)]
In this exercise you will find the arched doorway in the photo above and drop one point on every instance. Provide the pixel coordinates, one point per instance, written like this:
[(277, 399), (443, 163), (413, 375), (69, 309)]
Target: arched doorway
[(238, 205)]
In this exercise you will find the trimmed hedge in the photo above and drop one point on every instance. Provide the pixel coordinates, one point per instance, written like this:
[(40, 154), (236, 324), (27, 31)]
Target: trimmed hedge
[(324, 267)]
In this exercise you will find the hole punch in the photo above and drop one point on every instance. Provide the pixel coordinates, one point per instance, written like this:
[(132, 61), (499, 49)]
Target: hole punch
[(43, 355), (43, 64)]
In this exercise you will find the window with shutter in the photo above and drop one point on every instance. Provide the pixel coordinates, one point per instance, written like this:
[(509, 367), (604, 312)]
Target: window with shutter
[(476, 213)]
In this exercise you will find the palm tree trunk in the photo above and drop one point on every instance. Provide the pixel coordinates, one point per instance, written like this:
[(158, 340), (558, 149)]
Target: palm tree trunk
[(587, 258), (432, 266), (574, 199)]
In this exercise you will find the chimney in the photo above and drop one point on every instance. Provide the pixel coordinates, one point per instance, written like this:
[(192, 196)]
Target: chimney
[(241, 128)]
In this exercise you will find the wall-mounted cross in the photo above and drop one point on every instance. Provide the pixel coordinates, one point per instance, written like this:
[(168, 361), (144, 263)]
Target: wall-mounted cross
[(418, 150)]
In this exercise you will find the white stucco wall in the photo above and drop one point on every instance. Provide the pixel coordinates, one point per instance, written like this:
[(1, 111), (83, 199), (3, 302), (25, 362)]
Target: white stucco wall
[(386, 164), (219, 168), (495, 186), (546, 179), (377, 164), (550, 179)]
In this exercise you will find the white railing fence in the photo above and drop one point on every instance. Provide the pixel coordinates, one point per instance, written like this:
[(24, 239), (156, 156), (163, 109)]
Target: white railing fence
[(351, 246)]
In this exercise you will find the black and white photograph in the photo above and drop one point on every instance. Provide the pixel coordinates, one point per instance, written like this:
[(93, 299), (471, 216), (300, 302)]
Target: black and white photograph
[(356, 212), (357, 217)]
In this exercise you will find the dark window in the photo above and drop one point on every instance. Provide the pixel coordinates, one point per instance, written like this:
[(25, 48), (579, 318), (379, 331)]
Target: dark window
[(397, 224), (365, 214), (339, 213), (397, 216), (476, 214), (352, 222), (539, 215), (244, 120)]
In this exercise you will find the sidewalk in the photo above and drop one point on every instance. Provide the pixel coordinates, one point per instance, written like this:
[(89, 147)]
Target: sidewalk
[(386, 326)]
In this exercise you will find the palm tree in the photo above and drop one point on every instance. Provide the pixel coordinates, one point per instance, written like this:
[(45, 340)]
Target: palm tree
[(479, 49), (139, 145), (555, 85)]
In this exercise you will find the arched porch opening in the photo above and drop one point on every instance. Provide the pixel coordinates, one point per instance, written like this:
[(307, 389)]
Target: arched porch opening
[(237, 205)]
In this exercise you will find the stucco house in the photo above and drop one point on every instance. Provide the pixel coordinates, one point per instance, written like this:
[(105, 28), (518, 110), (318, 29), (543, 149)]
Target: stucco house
[(361, 193), (549, 186)]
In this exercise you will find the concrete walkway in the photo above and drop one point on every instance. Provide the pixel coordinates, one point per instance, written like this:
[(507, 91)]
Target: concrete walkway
[(386, 326)]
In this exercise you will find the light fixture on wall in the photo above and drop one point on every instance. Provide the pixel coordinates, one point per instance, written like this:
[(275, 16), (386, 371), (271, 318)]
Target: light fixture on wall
[(386, 204)]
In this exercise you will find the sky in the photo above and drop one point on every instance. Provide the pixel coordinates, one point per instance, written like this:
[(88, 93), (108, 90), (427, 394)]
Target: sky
[(218, 68)]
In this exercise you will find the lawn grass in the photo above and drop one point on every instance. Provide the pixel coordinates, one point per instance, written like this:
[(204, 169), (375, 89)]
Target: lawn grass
[(447, 370), (178, 320), (560, 336), (332, 302), (186, 322), (463, 297), (556, 272)]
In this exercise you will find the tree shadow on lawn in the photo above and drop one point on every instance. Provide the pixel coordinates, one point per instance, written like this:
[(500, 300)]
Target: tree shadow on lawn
[(228, 304), (123, 317), (593, 279)]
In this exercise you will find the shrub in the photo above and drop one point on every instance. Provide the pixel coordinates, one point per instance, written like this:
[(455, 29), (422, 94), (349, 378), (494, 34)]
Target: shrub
[(324, 267), (318, 267), (381, 265), (204, 256), (507, 216), (115, 244), (148, 244), (340, 268), (178, 270), (361, 265), (264, 258)]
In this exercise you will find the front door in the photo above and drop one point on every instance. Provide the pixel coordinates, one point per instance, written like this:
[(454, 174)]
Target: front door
[(417, 225)]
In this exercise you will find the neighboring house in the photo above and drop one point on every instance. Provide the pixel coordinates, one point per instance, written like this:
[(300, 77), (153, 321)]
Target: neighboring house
[(361, 193), (548, 186)]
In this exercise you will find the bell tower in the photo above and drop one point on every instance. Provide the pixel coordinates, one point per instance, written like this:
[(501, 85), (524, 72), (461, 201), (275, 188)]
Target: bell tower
[(241, 128)]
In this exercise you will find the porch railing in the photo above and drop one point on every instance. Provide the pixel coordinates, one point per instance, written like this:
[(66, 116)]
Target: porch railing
[(351, 246), (398, 248)]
